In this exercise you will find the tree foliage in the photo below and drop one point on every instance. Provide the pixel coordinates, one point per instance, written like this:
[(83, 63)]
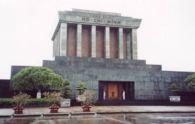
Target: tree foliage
[(37, 78), (190, 80), (81, 87), (173, 87), (66, 90)]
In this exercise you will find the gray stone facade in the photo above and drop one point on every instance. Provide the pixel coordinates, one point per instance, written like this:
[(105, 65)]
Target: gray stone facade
[(150, 82)]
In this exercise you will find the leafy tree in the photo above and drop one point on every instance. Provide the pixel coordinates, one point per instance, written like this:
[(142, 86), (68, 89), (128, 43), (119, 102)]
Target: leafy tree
[(190, 80), (37, 78), (81, 87), (173, 87), (66, 90)]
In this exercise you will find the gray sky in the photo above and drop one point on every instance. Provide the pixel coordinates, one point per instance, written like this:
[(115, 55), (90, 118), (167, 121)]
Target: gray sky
[(166, 35)]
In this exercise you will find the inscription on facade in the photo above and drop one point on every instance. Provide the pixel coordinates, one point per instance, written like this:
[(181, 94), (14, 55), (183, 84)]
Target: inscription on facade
[(101, 19)]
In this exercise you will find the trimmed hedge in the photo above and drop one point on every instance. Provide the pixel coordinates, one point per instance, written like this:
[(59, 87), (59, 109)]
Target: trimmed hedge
[(37, 102), (33, 102), (6, 102)]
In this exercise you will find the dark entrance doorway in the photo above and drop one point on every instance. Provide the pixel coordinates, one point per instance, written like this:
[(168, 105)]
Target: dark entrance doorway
[(118, 91)]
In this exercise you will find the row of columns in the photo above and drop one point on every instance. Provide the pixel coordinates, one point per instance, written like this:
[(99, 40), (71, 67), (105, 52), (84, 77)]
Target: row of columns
[(131, 42)]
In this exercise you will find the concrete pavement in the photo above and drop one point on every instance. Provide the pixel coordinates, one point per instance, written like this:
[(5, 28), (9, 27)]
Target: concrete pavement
[(109, 109)]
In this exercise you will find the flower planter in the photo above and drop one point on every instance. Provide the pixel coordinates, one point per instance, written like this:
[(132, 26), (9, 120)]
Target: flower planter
[(86, 108), (18, 110), (54, 108)]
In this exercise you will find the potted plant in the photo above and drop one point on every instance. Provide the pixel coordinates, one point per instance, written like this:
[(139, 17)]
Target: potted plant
[(65, 93), (88, 99), (174, 97), (54, 98), (20, 100)]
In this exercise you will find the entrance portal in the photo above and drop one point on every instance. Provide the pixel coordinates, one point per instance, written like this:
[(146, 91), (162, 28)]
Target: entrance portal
[(116, 90), (113, 91)]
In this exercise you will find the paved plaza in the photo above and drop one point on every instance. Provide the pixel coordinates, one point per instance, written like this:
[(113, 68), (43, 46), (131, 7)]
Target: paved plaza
[(103, 115), (109, 109)]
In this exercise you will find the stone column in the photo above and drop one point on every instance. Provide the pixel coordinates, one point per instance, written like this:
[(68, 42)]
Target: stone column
[(63, 39), (134, 44), (79, 40), (129, 45), (93, 41), (121, 49), (107, 42)]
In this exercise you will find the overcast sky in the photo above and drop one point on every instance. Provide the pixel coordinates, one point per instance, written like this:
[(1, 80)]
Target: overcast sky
[(166, 35)]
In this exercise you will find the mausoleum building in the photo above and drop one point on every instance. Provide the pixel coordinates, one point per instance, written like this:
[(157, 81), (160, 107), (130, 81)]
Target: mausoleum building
[(100, 48)]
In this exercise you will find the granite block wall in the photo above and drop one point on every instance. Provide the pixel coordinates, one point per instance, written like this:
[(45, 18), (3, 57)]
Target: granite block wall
[(150, 82)]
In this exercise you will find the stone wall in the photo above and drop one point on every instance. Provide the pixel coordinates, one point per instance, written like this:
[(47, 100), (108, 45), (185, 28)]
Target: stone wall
[(5, 88), (151, 83)]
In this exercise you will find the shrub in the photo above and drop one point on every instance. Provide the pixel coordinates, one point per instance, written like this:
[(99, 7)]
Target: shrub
[(20, 99), (66, 90), (190, 80), (6, 102), (53, 97), (88, 97), (81, 87), (173, 87), (37, 102), (33, 102)]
